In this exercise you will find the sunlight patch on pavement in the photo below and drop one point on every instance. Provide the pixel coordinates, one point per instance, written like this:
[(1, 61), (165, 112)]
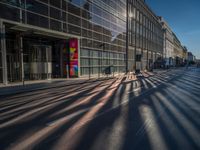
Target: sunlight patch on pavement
[(79, 101), (185, 92), (144, 83), (65, 141), (29, 140), (117, 95), (21, 117), (151, 83), (191, 130), (33, 112), (52, 101), (183, 102), (174, 131), (152, 129), (28, 106), (116, 136)]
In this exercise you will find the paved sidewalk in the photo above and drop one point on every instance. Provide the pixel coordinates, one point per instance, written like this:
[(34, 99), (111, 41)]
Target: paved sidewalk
[(16, 88)]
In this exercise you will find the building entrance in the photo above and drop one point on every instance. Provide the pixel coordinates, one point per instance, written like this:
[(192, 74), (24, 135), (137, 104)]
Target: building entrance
[(33, 56), (13, 67), (13, 60), (38, 62)]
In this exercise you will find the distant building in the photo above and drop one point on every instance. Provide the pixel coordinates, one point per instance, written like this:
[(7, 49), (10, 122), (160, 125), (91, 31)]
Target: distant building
[(197, 62), (185, 52), (191, 57), (178, 50), (168, 44), (145, 37)]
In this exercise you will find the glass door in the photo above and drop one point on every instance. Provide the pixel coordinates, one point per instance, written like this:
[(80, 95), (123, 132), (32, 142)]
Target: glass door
[(13, 68)]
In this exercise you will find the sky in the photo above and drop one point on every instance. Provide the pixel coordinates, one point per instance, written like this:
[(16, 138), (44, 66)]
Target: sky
[(183, 16)]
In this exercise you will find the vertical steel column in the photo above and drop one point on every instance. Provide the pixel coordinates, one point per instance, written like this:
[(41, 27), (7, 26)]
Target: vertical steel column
[(99, 65), (79, 58), (147, 46), (3, 49), (22, 57), (20, 15), (89, 65), (127, 30), (61, 58), (135, 37), (47, 62), (142, 48)]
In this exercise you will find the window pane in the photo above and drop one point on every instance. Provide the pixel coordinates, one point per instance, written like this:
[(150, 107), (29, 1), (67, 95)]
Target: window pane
[(37, 7), (55, 13), (37, 20), (74, 9), (55, 25), (55, 3), (11, 2), (74, 29), (74, 20), (8, 12), (84, 52)]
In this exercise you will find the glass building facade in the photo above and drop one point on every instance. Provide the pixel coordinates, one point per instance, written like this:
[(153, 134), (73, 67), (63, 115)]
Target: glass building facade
[(41, 28)]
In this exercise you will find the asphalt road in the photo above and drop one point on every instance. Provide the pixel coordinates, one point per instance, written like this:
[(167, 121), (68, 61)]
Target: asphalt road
[(160, 112)]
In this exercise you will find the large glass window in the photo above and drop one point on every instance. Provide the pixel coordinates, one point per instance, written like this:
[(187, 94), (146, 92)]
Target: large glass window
[(84, 52), (11, 2), (37, 7), (55, 3), (99, 60), (97, 36), (96, 44), (9, 12), (37, 20), (64, 16), (96, 10), (85, 23), (84, 62), (74, 20), (96, 20), (55, 25), (76, 2), (74, 9), (74, 30), (106, 15), (84, 32), (55, 13), (96, 54), (95, 62)]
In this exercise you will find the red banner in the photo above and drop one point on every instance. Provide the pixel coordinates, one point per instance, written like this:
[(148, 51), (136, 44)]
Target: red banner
[(73, 60)]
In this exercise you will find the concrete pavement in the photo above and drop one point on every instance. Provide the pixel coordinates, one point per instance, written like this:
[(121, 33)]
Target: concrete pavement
[(29, 86), (155, 112)]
